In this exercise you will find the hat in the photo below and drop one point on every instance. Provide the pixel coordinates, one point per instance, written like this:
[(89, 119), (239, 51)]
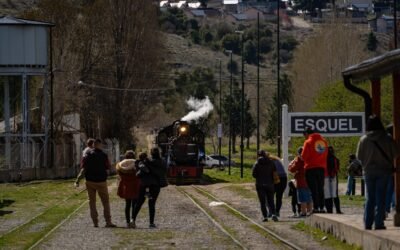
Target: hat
[(299, 150), (262, 153), (308, 131)]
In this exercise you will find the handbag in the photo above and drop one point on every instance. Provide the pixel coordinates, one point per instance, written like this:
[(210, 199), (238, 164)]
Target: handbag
[(277, 180)]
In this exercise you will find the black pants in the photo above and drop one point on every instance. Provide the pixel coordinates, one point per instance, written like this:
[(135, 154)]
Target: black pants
[(315, 181), (336, 200), (296, 208), (279, 190), (129, 204), (266, 194), (154, 191)]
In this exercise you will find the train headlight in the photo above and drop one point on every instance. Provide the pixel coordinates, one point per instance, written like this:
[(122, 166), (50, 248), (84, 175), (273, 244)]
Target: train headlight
[(183, 129)]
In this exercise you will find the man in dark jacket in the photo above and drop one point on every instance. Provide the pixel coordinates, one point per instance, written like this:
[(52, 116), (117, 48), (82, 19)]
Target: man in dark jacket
[(376, 150), (263, 172), (96, 166)]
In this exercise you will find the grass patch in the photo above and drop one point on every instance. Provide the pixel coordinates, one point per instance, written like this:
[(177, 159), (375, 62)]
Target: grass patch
[(318, 235), (249, 158), (241, 191), (41, 225), (351, 201)]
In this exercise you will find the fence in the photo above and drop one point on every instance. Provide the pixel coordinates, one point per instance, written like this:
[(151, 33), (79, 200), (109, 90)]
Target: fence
[(67, 154)]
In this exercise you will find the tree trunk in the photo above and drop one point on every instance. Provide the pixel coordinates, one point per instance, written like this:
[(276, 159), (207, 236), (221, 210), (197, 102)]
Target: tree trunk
[(248, 143), (234, 144)]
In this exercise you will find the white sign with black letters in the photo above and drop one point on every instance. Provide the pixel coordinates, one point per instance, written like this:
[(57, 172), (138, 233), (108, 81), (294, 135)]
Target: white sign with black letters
[(327, 123)]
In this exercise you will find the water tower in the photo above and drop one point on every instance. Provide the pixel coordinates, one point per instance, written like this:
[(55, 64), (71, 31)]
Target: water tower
[(25, 96)]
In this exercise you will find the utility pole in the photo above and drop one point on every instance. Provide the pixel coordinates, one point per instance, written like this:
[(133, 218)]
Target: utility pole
[(230, 115), (278, 68), (242, 110), (395, 23), (220, 113), (258, 81)]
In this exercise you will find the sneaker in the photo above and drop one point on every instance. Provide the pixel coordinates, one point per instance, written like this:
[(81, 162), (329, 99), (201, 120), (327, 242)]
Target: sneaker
[(132, 224), (302, 215), (274, 218), (265, 219), (96, 225), (380, 228), (152, 225), (293, 216), (110, 225)]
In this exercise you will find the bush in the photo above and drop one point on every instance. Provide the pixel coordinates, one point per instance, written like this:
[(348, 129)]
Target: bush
[(250, 52), (372, 42), (195, 36), (222, 30), (265, 45), (234, 67), (206, 36), (231, 42), (288, 43), (193, 24)]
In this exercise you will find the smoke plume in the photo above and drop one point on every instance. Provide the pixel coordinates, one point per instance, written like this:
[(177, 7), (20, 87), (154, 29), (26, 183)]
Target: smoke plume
[(200, 108)]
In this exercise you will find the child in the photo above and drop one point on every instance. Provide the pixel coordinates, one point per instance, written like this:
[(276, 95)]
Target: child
[(303, 192), (293, 192)]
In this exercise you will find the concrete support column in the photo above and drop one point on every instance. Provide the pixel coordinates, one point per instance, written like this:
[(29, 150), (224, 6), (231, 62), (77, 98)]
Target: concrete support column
[(6, 109), (396, 135)]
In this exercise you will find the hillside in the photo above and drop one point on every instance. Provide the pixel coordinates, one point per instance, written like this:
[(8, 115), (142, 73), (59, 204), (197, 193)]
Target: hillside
[(14, 7)]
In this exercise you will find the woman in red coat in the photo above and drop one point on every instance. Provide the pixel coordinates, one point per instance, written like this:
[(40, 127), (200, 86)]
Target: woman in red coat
[(128, 187)]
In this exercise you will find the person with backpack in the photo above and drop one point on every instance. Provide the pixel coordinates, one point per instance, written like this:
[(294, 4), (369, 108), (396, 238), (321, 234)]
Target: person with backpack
[(152, 178), (354, 169), (279, 187), (376, 150), (96, 168), (263, 171), (331, 185)]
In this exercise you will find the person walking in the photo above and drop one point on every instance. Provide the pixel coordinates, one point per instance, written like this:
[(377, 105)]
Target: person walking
[(376, 150), (152, 176), (96, 167), (331, 185), (280, 187), (128, 186), (353, 169), (303, 192), (314, 155), (263, 172), (89, 146)]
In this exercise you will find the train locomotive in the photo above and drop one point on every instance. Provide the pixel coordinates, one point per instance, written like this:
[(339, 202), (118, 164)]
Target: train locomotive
[(182, 147)]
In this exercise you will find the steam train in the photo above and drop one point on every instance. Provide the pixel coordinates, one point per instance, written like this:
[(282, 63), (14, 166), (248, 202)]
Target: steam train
[(182, 147)]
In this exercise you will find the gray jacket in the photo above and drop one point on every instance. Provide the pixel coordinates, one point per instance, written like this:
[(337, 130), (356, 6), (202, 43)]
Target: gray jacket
[(373, 161)]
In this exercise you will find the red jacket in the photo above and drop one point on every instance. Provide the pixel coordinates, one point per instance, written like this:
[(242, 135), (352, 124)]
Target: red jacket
[(315, 152), (297, 168), (129, 183)]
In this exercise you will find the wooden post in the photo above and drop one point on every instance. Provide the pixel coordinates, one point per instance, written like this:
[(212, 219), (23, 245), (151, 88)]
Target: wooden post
[(396, 136), (376, 96)]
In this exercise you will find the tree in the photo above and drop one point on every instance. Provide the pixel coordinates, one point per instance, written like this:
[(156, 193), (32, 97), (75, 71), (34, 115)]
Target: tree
[(195, 36), (232, 66), (231, 42), (107, 44), (233, 104), (250, 52), (265, 45), (206, 35), (203, 3), (198, 83), (372, 42), (285, 98)]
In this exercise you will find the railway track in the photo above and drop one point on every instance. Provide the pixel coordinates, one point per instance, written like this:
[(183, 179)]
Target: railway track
[(40, 214), (270, 234)]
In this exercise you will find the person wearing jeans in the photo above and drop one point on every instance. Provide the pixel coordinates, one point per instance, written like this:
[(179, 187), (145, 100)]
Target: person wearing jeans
[(376, 150), (279, 188), (314, 155)]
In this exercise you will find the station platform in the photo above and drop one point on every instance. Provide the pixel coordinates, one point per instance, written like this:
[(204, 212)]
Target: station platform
[(350, 229)]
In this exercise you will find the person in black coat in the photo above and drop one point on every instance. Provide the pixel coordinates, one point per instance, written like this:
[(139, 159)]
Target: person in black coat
[(263, 172), (151, 173)]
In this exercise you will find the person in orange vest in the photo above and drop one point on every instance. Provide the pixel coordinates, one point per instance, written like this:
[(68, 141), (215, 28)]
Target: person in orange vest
[(314, 155)]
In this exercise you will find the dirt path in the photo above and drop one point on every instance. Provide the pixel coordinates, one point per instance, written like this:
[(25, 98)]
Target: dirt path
[(180, 225)]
